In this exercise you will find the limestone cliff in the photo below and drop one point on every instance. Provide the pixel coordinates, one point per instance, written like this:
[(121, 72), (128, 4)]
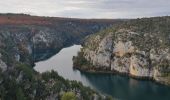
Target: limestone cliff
[(45, 36), (25, 39), (139, 48), (3, 65)]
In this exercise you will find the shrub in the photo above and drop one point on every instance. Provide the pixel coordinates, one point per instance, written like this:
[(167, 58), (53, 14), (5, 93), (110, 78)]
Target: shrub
[(69, 96)]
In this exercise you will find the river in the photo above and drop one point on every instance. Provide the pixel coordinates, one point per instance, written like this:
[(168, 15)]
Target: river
[(121, 87)]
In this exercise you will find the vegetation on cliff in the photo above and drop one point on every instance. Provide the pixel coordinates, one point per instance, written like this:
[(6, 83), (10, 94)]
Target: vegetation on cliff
[(139, 47), (48, 34), (25, 39), (81, 61)]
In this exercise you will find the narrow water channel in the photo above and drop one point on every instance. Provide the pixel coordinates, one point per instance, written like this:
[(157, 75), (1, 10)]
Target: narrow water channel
[(121, 87)]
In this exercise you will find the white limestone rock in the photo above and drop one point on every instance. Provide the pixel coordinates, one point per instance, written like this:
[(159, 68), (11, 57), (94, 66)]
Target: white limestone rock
[(3, 65)]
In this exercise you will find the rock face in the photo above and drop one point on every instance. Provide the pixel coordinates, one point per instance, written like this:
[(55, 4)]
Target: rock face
[(28, 39), (101, 57), (25, 39), (130, 51), (3, 66), (45, 36)]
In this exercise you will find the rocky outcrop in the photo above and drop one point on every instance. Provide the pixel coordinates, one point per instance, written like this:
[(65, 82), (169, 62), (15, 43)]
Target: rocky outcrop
[(26, 39), (3, 66), (129, 51), (44, 36)]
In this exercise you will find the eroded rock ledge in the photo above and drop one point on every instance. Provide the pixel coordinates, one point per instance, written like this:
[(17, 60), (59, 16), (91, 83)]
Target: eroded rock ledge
[(137, 54)]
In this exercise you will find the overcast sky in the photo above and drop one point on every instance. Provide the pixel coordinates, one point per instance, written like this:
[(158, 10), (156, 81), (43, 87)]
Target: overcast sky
[(88, 8)]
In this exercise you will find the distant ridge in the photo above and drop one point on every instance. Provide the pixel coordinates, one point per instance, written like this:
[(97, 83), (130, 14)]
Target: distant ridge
[(11, 18)]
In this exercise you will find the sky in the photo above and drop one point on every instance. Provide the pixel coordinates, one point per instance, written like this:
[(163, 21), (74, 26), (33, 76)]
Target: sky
[(88, 8)]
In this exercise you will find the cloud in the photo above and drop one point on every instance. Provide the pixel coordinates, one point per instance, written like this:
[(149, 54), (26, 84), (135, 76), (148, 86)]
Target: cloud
[(88, 8)]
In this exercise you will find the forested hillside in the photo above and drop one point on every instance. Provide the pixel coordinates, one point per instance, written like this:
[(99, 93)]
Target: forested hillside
[(25, 39)]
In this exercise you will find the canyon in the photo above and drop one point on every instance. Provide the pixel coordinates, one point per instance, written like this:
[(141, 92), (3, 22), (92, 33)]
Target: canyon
[(26, 39), (135, 47)]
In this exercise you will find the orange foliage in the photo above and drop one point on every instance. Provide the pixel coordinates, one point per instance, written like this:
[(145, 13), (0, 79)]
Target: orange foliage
[(26, 20)]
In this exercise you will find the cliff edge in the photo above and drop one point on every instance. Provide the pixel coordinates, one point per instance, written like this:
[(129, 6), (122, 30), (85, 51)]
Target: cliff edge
[(139, 48)]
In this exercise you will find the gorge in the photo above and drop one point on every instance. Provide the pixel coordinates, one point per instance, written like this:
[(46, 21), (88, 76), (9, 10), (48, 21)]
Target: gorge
[(26, 39), (119, 87), (135, 47)]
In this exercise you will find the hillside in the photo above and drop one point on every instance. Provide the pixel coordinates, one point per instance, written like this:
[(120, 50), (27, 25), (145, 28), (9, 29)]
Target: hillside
[(139, 48), (25, 39), (48, 34)]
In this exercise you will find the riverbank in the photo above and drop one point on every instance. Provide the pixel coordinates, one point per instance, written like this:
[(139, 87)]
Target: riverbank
[(118, 86), (114, 72)]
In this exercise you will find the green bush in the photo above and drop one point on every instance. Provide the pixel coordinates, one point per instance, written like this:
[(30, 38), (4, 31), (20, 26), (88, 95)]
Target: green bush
[(20, 94), (27, 70), (69, 96)]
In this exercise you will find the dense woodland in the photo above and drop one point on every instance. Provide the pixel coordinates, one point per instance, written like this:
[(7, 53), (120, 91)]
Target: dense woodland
[(24, 83)]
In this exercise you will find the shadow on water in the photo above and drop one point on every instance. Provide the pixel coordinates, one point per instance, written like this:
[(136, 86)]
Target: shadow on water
[(126, 88)]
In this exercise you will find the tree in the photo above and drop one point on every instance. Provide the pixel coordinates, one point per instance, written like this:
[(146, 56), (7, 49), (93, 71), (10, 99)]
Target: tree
[(20, 94)]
